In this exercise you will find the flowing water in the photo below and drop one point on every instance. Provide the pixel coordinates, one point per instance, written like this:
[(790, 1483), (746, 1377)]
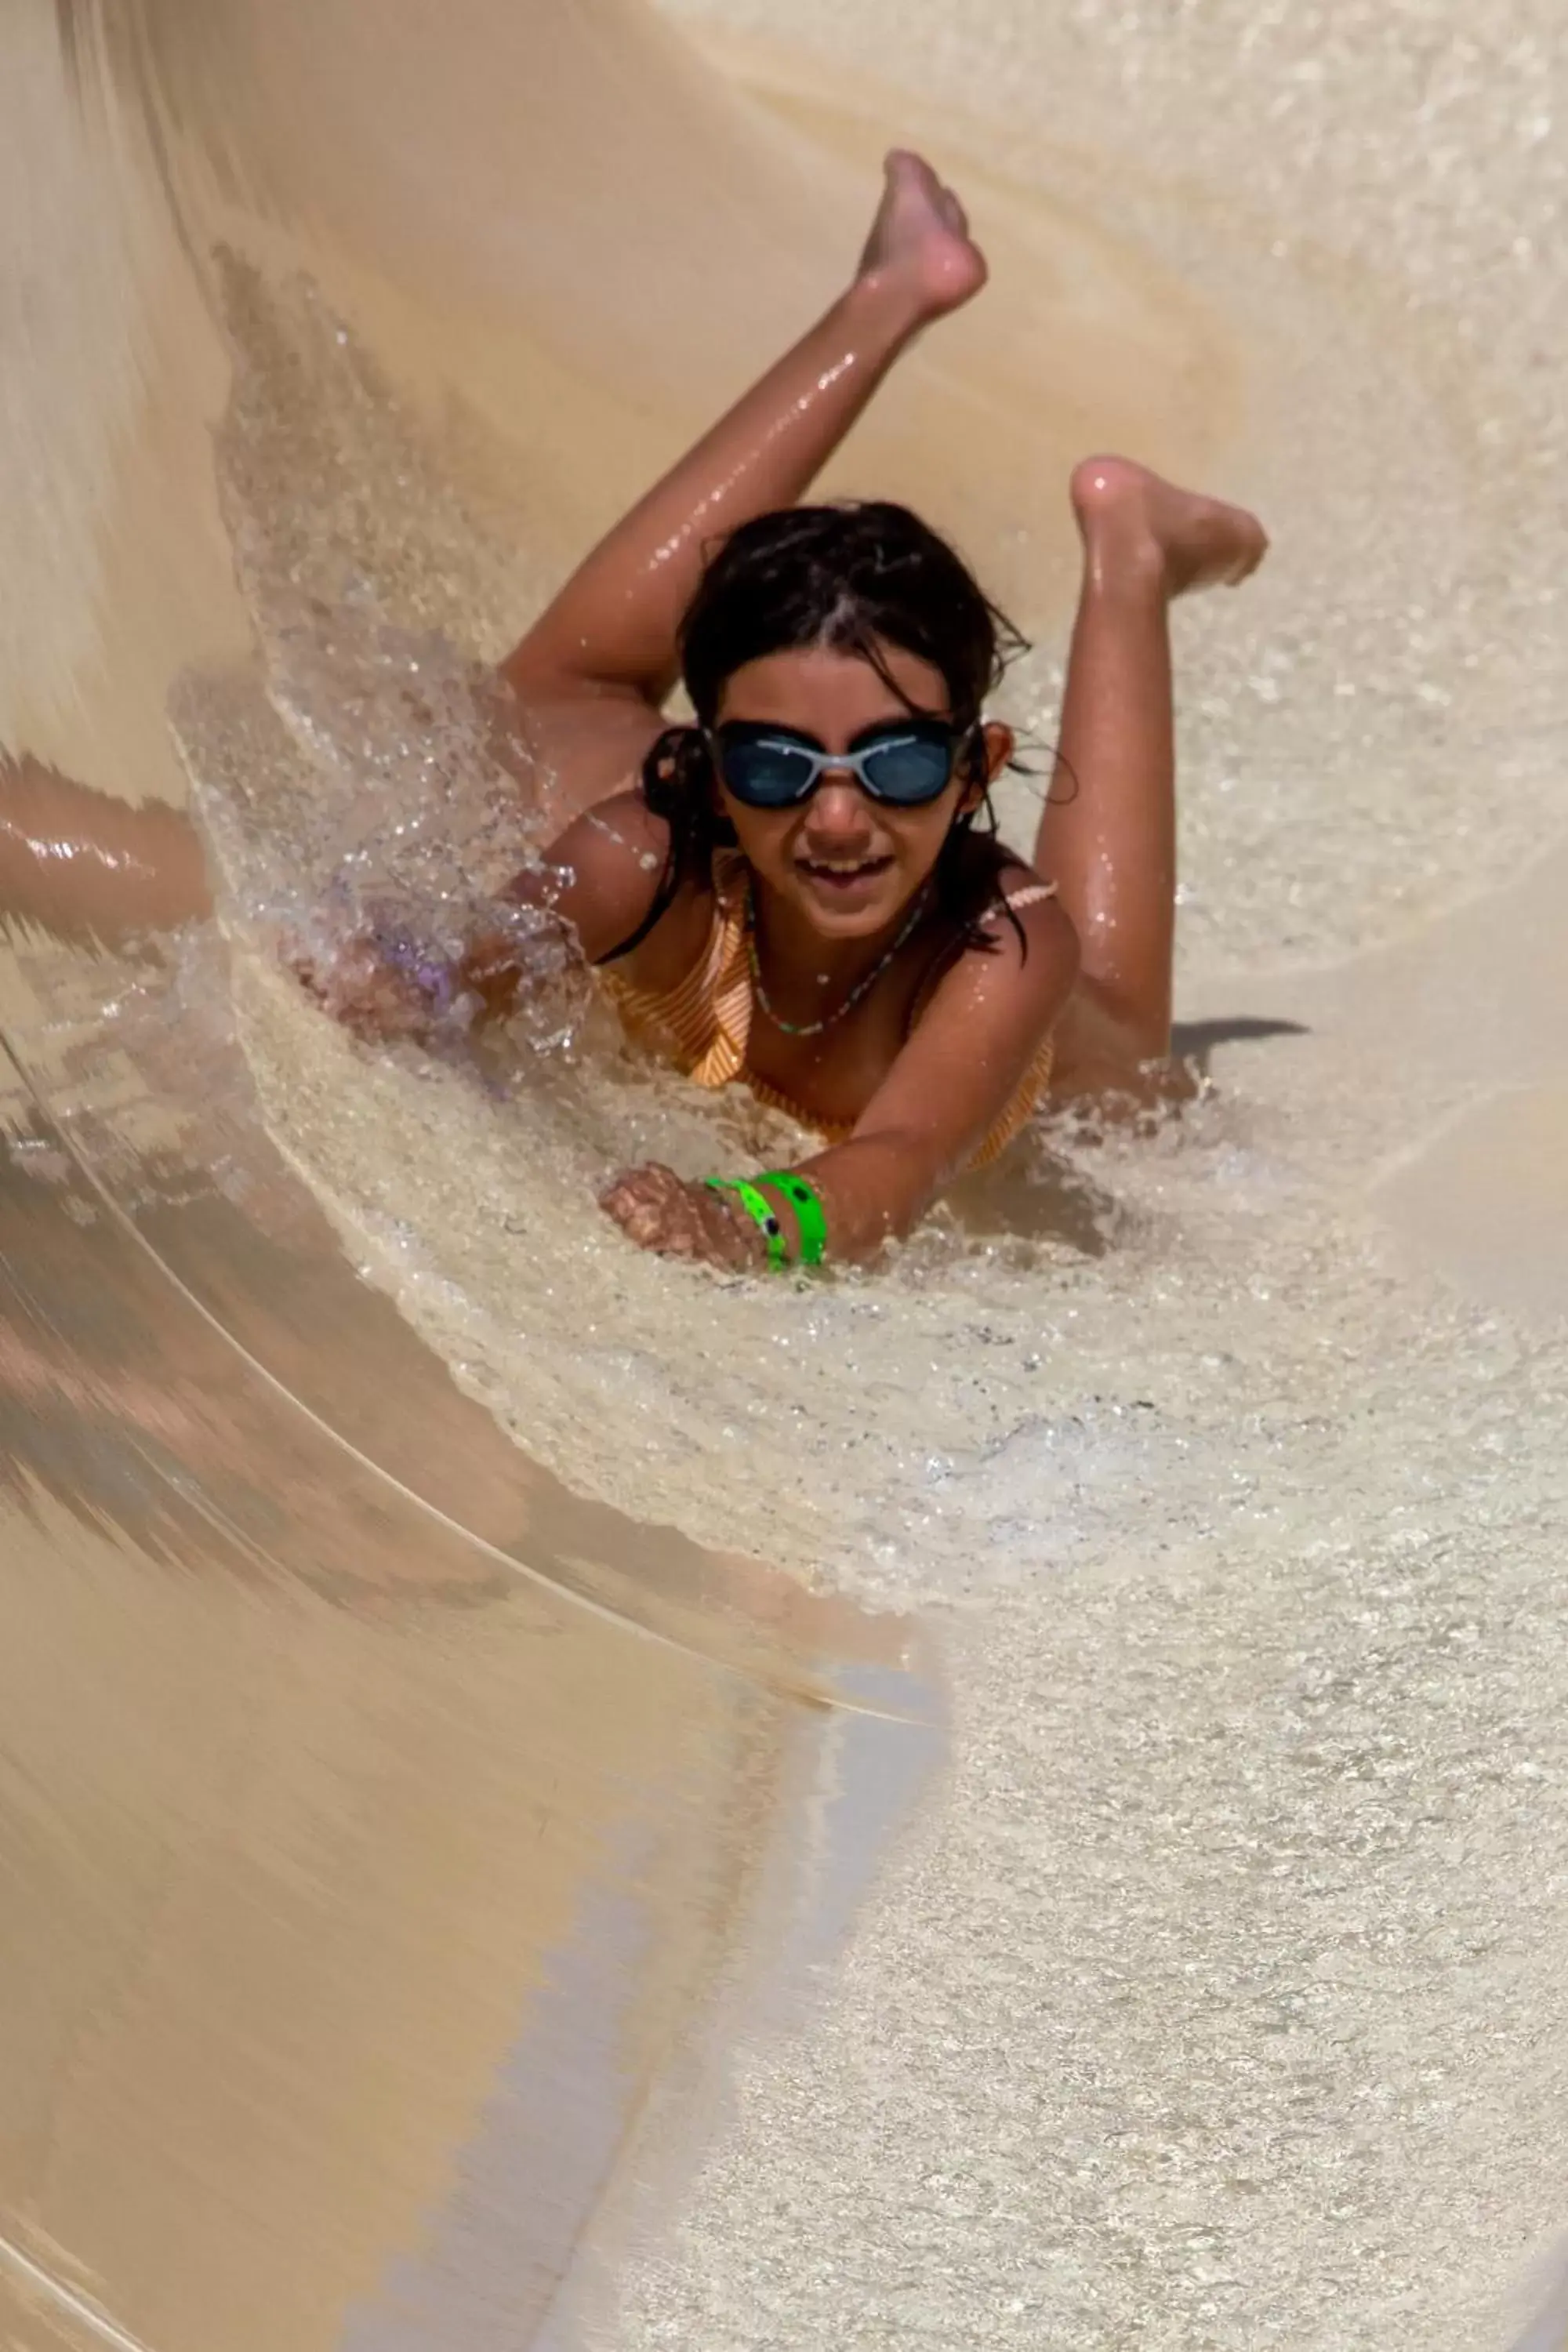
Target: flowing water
[(408, 1959)]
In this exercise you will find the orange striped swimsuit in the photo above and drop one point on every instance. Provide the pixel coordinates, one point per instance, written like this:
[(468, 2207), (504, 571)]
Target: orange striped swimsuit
[(704, 1023)]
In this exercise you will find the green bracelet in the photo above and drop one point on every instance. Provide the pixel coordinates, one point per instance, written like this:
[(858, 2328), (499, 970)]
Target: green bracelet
[(807, 1208), (762, 1216)]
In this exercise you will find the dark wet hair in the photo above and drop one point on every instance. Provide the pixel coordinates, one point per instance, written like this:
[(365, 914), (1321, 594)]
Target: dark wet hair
[(856, 577)]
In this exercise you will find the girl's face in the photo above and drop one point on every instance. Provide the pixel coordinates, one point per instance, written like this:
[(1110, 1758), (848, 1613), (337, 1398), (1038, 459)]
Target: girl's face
[(849, 864)]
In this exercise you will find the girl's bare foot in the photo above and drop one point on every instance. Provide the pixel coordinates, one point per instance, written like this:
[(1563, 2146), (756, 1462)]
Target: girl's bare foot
[(1133, 521), (919, 241)]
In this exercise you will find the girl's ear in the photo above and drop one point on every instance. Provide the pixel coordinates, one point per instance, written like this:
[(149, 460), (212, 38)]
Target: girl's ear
[(679, 777), (987, 753), (1000, 743)]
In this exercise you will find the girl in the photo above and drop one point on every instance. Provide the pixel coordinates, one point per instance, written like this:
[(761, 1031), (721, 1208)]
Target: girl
[(791, 894)]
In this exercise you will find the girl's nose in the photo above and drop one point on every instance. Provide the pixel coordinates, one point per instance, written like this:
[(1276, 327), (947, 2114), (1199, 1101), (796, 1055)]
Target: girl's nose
[(839, 810)]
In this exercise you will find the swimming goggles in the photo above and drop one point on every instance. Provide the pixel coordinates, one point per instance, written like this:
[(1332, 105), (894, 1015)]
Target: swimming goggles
[(905, 764)]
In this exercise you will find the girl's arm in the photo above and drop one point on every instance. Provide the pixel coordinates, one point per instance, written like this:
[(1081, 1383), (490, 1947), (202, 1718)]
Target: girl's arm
[(601, 874), (955, 1078), (971, 1050)]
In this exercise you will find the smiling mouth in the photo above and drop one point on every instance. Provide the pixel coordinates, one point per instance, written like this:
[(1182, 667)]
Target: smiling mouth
[(843, 877)]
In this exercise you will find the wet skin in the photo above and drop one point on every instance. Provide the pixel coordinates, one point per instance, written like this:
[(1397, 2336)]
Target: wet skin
[(819, 937)]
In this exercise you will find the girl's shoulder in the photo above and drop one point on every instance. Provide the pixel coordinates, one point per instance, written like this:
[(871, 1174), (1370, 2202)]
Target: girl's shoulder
[(668, 911), (994, 906), (613, 875), (990, 885)]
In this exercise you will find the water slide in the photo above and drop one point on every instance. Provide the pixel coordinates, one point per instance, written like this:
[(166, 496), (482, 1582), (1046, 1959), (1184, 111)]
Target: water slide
[(1019, 1800)]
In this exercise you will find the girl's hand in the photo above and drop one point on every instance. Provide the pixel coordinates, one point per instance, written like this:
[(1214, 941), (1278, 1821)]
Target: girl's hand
[(385, 987), (655, 1208), (370, 996)]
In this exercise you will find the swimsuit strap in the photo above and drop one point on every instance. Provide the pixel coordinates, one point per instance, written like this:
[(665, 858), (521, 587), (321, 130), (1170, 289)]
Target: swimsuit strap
[(943, 964)]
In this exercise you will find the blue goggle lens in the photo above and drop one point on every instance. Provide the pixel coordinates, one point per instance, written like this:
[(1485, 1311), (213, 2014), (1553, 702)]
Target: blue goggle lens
[(910, 770), (767, 774)]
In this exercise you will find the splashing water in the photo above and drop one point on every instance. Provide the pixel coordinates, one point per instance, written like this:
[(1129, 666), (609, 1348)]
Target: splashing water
[(409, 819), (373, 793)]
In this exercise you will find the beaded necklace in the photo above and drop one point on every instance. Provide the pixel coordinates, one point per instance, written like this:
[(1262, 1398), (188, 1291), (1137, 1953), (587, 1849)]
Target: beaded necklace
[(862, 987)]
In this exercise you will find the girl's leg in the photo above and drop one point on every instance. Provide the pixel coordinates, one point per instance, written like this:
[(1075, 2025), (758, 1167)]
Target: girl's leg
[(611, 632), (1107, 837), (81, 863)]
